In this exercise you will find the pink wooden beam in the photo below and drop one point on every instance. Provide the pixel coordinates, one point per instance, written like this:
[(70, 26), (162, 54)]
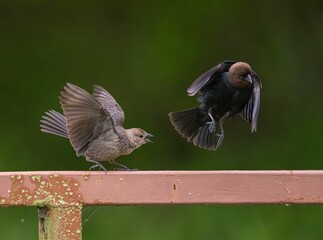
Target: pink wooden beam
[(73, 189), (60, 196)]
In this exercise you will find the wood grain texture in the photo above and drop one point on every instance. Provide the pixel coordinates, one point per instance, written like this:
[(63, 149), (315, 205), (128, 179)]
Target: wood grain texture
[(65, 189)]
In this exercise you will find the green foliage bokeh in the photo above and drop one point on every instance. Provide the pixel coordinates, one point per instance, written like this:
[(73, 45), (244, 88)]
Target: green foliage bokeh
[(146, 53)]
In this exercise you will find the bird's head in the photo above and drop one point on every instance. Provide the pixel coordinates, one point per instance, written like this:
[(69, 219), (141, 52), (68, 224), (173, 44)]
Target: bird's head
[(138, 137), (239, 75)]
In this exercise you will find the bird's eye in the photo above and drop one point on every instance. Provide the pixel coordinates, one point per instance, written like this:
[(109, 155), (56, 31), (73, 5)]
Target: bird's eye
[(242, 74)]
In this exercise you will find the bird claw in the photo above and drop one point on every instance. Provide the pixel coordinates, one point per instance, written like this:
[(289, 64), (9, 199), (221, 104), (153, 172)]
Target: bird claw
[(125, 169), (121, 167), (100, 166), (212, 126), (220, 139)]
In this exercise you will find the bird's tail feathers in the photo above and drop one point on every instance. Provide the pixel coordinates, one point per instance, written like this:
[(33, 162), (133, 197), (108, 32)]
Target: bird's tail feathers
[(192, 125), (54, 123), (186, 122), (204, 138)]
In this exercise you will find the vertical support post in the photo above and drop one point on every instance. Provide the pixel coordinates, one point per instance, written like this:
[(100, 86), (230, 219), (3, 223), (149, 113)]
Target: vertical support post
[(60, 223)]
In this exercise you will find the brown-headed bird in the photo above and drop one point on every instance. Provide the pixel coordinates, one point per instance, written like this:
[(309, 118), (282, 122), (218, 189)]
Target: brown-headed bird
[(227, 89), (94, 125)]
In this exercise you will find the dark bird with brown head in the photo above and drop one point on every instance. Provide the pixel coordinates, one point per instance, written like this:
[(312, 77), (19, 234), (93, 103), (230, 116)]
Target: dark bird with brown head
[(227, 89), (94, 124)]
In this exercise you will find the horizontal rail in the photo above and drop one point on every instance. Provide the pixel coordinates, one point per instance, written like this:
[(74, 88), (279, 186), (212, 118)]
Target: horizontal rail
[(73, 189), (60, 196)]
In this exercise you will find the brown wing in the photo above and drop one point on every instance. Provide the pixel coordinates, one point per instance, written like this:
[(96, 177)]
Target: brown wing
[(211, 75), (110, 104), (251, 110), (86, 118)]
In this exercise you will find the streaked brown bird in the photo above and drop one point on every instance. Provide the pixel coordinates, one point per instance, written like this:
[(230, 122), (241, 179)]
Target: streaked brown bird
[(94, 124), (227, 89)]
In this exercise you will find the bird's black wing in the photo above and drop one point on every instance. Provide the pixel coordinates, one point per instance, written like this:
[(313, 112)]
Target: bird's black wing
[(251, 110), (214, 73), (110, 104), (85, 117)]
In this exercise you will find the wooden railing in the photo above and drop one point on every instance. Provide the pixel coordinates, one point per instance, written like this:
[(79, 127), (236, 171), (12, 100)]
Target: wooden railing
[(60, 196)]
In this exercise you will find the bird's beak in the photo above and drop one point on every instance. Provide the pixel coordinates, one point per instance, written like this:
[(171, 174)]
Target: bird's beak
[(248, 78), (147, 137)]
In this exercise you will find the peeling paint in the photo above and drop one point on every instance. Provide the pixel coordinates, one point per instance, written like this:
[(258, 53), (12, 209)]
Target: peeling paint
[(58, 223), (36, 178), (39, 190)]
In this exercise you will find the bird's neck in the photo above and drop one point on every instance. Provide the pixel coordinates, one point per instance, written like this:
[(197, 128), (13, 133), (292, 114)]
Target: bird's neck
[(226, 80)]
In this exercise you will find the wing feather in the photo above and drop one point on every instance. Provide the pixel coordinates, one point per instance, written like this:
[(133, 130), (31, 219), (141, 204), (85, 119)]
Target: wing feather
[(209, 76), (85, 117), (251, 110), (110, 104)]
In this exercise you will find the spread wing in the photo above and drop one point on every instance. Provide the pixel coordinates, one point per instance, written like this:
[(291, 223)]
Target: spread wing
[(251, 110), (86, 118), (109, 104), (212, 74)]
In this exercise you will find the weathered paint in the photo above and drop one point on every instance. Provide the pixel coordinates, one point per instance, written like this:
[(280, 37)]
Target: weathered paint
[(60, 196), (42, 190), (63, 189), (60, 223)]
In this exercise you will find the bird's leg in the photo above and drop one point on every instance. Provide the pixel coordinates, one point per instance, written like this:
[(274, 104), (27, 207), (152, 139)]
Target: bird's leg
[(220, 136), (212, 124), (96, 164), (121, 167)]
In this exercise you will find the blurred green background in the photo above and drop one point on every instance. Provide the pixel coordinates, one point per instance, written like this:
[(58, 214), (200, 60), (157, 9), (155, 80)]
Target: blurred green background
[(146, 54)]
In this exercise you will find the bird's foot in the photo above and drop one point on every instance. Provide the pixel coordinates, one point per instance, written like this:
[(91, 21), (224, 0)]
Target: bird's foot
[(212, 126), (122, 167), (125, 169), (220, 139), (99, 165)]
